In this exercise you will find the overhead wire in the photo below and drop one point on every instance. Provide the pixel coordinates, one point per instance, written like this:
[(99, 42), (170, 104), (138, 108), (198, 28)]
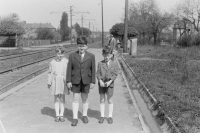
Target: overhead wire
[(59, 4), (38, 5)]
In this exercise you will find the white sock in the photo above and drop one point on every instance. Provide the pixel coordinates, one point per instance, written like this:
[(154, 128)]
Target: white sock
[(75, 107), (102, 109), (85, 109), (57, 108), (62, 109), (110, 108)]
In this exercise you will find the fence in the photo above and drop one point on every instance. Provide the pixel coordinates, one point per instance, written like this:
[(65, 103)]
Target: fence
[(6, 42), (28, 43)]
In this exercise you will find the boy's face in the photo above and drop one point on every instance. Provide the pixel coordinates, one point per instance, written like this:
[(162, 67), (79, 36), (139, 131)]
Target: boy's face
[(82, 48), (107, 57)]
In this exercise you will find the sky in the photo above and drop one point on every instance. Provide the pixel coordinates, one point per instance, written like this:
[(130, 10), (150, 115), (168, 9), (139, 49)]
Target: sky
[(50, 11)]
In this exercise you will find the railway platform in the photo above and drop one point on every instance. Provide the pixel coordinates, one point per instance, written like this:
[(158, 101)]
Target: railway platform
[(29, 108)]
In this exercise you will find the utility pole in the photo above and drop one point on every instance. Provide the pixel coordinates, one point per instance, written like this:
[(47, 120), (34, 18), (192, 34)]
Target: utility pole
[(96, 31), (71, 21), (71, 11), (125, 26), (102, 24), (82, 25), (82, 18), (89, 25)]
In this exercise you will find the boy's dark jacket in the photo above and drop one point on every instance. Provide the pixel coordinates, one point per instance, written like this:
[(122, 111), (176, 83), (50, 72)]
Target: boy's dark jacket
[(78, 69), (105, 73)]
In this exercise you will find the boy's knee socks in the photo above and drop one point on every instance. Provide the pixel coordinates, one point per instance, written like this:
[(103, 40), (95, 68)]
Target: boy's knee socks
[(110, 108), (75, 107), (85, 108)]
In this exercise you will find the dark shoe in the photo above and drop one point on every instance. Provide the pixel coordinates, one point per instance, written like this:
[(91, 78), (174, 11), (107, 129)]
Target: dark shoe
[(110, 120), (101, 119), (62, 119), (57, 119), (74, 122), (85, 119)]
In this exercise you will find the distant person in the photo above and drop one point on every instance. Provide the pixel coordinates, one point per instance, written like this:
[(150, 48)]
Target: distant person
[(128, 45), (81, 78), (57, 82), (107, 72), (112, 43)]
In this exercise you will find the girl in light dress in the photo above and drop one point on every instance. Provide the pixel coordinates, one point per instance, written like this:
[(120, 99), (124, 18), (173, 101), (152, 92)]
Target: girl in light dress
[(57, 82)]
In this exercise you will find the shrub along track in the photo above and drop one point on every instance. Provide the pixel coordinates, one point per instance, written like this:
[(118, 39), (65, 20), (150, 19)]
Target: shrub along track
[(25, 67)]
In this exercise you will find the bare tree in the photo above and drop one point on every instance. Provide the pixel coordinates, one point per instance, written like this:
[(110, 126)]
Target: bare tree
[(190, 11), (148, 19)]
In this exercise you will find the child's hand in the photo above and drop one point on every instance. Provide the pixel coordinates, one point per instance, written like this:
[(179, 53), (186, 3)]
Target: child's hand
[(48, 86), (108, 83), (101, 83), (69, 85), (91, 85)]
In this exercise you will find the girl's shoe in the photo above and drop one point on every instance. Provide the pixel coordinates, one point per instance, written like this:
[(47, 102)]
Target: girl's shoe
[(62, 119), (57, 119)]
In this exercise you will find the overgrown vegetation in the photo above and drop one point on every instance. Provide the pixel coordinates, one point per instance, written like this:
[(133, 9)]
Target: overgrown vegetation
[(175, 82), (189, 40), (12, 51)]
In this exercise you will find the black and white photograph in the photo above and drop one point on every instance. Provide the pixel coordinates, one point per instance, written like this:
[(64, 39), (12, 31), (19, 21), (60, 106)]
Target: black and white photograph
[(99, 66)]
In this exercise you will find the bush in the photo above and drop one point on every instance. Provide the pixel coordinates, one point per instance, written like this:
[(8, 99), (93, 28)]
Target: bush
[(196, 40), (185, 41)]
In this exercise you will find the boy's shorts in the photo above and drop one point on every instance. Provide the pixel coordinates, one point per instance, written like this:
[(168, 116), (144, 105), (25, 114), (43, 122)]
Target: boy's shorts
[(106, 90), (80, 88)]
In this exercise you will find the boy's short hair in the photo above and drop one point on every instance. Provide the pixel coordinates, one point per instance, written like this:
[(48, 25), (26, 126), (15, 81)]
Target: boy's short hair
[(107, 50), (60, 50), (82, 40)]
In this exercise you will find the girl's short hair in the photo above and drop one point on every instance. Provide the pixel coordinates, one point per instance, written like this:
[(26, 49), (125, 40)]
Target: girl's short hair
[(60, 50), (107, 50), (82, 40)]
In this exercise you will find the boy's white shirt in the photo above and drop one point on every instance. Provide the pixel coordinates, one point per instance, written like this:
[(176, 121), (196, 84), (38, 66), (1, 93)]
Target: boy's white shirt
[(108, 63), (82, 55)]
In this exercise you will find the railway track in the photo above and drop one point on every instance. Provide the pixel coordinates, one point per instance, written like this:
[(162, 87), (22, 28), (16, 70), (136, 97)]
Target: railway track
[(12, 62), (16, 75)]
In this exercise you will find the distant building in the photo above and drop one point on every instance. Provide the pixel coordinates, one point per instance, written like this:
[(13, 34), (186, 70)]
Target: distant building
[(183, 27), (30, 28), (38, 26)]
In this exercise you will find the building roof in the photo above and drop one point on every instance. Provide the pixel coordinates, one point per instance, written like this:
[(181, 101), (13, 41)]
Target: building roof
[(38, 25), (180, 24)]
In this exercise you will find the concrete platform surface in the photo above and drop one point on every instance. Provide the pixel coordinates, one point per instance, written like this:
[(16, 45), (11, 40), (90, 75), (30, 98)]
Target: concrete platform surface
[(31, 110)]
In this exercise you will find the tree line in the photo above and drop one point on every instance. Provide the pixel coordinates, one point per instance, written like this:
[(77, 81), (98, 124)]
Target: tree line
[(11, 25), (150, 23)]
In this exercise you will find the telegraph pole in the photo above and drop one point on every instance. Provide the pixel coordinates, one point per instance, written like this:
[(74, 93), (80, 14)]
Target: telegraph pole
[(82, 25), (82, 18), (71, 11), (125, 26), (89, 25), (71, 21), (102, 24)]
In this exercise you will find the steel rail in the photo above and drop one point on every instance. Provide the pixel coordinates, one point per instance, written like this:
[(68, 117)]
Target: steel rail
[(28, 76), (29, 63)]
